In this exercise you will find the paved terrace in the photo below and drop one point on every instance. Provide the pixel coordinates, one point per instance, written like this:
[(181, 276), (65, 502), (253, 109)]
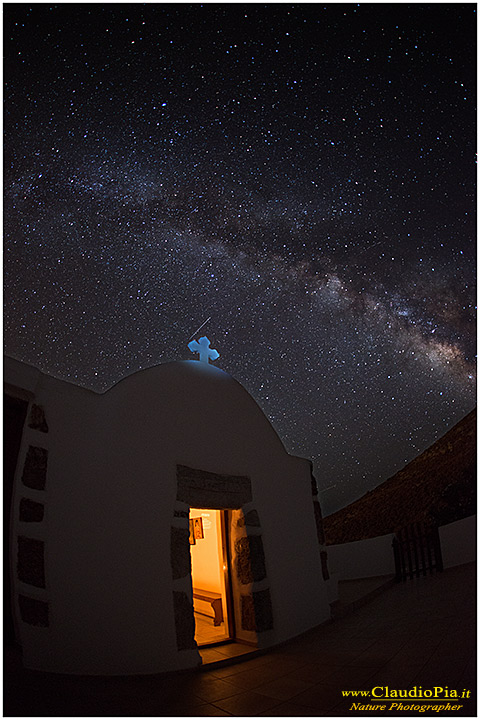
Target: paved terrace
[(419, 633)]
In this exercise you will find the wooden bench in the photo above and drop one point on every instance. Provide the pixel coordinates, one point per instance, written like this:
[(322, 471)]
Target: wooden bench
[(215, 600)]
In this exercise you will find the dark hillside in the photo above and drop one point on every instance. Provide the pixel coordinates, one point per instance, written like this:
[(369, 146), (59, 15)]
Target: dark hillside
[(437, 487)]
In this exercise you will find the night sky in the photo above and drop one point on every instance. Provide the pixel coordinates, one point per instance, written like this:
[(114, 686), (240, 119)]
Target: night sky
[(302, 175)]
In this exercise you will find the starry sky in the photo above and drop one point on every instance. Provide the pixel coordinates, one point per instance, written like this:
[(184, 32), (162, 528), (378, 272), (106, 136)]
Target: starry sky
[(302, 176)]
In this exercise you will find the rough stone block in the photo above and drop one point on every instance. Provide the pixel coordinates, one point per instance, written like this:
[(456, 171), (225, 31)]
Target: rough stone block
[(252, 519), (35, 468), (184, 621), (324, 559), (200, 488), (180, 552), (263, 610), (31, 511), (319, 522), (30, 561), (257, 557), (37, 419), (250, 559), (256, 611), (248, 613), (242, 561), (33, 612)]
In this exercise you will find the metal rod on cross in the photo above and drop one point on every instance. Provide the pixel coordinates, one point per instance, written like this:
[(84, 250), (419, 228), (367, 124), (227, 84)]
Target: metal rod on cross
[(198, 329)]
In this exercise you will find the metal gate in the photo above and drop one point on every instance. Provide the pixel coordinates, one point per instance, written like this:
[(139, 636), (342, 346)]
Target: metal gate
[(417, 550)]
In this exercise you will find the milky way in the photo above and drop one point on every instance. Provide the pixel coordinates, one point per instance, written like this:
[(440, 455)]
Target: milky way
[(302, 175)]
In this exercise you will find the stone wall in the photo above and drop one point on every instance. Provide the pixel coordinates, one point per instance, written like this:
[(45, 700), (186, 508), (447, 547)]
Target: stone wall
[(29, 507)]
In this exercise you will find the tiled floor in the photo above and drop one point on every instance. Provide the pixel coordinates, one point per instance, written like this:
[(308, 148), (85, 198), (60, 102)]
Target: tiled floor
[(222, 653), (206, 632), (420, 633)]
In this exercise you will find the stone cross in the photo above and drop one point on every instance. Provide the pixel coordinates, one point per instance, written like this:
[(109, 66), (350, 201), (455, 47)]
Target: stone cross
[(202, 347)]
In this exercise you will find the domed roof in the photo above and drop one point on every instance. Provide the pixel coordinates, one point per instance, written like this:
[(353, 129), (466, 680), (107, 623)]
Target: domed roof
[(195, 397)]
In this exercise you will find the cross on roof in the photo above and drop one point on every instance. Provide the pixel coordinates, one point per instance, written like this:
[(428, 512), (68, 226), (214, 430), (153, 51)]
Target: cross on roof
[(202, 347)]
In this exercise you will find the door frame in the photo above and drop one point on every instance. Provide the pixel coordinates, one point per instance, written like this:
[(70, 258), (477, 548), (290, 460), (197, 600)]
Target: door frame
[(252, 608)]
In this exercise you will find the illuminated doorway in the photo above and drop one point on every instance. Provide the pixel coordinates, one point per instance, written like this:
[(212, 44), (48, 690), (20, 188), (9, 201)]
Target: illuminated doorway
[(210, 581)]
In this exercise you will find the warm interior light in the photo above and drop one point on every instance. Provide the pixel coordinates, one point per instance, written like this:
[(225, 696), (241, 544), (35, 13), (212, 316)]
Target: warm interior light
[(205, 553), (208, 574)]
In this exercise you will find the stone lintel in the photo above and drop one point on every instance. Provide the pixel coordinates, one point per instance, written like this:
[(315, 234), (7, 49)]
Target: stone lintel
[(202, 489)]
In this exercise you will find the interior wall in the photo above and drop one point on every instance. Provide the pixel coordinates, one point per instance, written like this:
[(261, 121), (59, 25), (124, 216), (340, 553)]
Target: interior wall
[(206, 557)]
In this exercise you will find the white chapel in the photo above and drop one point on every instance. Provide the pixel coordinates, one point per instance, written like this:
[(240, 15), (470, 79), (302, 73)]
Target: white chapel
[(152, 519)]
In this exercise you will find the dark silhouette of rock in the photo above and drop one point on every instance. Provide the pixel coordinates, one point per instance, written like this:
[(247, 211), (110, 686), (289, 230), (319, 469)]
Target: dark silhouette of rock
[(436, 488)]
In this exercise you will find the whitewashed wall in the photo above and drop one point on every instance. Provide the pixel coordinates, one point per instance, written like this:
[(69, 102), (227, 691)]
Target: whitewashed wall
[(459, 542), (374, 557), (109, 502), (361, 559)]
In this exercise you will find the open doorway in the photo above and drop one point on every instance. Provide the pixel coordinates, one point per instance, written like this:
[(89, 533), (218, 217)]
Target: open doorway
[(210, 578)]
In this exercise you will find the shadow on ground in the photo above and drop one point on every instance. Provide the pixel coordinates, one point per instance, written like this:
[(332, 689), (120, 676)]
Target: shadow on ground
[(419, 633)]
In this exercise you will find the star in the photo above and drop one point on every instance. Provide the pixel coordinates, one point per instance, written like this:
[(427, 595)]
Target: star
[(303, 176)]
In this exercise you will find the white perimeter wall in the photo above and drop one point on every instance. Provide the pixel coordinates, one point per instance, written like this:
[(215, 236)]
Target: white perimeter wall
[(364, 558), (374, 557), (459, 542)]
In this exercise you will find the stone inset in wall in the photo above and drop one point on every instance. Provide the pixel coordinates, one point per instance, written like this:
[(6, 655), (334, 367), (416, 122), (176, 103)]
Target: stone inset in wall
[(263, 610), (250, 559), (199, 488), (33, 612), (324, 559), (184, 621), (256, 611), (180, 553), (242, 561), (37, 419), (247, 613), (257, 557), (35, 468), (319, 522), (31, 511), (251, 519), (31, 562)]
